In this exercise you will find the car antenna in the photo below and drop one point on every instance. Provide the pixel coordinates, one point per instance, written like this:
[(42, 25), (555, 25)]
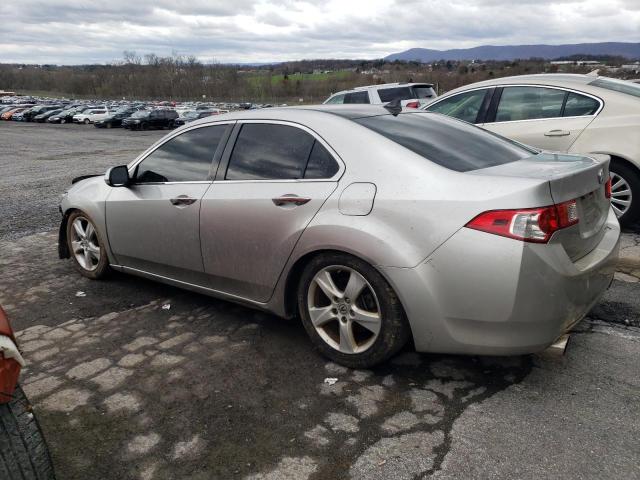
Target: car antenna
[(394, 107)]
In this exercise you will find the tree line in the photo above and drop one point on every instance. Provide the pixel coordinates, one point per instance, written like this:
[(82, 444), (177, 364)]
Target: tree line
[(178, 77)]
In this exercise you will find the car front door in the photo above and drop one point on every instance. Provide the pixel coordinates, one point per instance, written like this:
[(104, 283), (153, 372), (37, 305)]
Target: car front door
[(153, 224), (272, 180), (544, 117)]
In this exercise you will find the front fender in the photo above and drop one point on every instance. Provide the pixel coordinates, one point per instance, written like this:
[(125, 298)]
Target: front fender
[(88, 196)]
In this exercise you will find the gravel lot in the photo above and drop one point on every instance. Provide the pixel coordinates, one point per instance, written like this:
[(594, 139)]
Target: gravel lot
[(126, 389)]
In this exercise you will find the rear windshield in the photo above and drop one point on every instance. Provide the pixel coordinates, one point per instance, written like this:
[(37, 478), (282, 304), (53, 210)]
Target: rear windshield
[(618, 86), (396, 93), (448, 142), (423, 91)]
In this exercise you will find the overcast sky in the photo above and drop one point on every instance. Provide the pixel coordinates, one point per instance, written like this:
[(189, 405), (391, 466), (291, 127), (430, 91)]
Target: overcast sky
[(86, 31)]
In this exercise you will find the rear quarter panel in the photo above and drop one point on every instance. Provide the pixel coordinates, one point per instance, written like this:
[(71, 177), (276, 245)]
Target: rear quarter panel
[(615, 131), (417, 206)]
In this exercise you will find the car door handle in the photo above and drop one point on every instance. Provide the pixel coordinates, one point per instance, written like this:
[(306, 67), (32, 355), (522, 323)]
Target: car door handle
[(289, 199), (556, 133), (182, 201)]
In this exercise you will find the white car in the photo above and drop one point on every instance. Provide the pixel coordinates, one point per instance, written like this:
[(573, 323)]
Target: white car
[(411, 95), (90, 116), (565, 113)]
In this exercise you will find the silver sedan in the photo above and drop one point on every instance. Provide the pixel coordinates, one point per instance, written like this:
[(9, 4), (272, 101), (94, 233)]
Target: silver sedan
[(371, 224)]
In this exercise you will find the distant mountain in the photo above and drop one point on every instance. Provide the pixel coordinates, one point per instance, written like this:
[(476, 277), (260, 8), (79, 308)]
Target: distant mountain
[(512, 52)]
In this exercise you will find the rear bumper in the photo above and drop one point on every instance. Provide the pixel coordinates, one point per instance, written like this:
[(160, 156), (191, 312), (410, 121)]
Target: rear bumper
[(484, 294)]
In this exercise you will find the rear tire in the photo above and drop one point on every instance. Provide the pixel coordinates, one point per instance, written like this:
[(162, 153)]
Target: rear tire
[(632, 178), (23, 451), (375, 303)]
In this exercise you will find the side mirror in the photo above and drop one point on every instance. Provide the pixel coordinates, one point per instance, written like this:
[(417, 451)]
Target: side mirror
[(117, 176)]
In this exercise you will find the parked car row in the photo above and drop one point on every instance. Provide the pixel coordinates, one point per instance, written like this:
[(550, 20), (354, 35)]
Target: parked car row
[(553, 112), (133, 116)]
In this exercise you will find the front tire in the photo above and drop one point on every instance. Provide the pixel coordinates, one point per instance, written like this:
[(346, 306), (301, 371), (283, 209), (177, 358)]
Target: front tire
[(23, 451), (625, 192), (86, 247), (87, 121), (350, 312)]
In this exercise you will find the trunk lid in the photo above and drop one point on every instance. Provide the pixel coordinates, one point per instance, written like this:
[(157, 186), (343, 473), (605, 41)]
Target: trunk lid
[(570, 177)]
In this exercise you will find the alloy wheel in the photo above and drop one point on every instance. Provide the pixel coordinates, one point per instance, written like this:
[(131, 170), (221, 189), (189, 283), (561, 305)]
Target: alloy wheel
[(621, 195), (344, 309), (85, 244)]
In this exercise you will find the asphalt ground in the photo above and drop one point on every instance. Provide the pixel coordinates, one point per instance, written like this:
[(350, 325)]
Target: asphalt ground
[(132, 379)]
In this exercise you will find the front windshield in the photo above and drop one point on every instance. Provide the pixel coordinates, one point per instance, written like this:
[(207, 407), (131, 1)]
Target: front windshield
[(139, 114), (190, 114)]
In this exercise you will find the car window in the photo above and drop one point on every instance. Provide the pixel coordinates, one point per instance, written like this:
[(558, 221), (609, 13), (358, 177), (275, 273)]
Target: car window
[(447, 142), (185, 158), (267, 151), (321, 164), (336, 99), (357, 97), (578, 105), (399, 93), (423, 91), (528, 103), (464, 106)]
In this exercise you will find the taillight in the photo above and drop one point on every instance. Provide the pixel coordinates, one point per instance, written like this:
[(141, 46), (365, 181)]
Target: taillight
[(412, 105), (607, 188), (528, 224)]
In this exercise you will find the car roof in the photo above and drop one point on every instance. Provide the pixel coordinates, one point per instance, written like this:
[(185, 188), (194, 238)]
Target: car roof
[(563, 79), (310, 115), (302, 113), (579, 82), (382, 86)]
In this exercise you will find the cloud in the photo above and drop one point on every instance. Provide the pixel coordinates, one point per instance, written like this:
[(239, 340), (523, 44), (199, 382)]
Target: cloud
[(82, 31)]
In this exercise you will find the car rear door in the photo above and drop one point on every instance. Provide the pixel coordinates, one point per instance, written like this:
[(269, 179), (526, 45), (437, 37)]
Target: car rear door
[(544, 117), (272, 180), (153, 224)]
